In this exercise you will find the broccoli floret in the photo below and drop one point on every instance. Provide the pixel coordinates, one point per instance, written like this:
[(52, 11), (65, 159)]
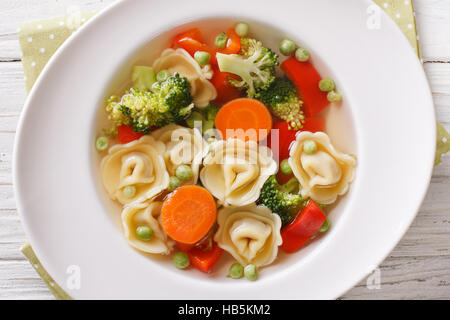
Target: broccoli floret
[(279, 200), (170, 102), (210, 111), (206, 115), (254, 63), (283, 99)]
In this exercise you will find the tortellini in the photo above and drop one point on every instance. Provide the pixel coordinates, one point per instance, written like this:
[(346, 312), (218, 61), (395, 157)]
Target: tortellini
[(323, 174), (251, 234), (139, 164), (145, 214), (180, 61), (234, 171), (183, 146)]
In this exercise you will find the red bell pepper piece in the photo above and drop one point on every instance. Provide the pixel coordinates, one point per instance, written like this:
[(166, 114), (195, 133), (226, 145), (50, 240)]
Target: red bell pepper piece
[(193, 33), (306, 79), (192, 46), (126, 134), (225, 91), (314, 125), (283, 178), (205, 259), (304, 226), (192, 41), (287, 136), (233, 43)]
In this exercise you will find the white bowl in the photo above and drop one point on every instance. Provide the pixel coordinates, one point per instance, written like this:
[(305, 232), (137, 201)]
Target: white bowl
[(387, 120)]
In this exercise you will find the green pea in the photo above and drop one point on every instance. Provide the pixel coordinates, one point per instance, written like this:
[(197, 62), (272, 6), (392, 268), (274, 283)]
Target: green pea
[(101, 143), (236, 271), (184, 172), (144, 233), (174, 183), (181, 260), (287, 47), (202, 57), (325, 226), (285, 167), (241, 29), (309, 146), (326, 84), (194, 117), (163, 75), (334, 96), (302, 55), (251, 272), (221, 40), (129, 191), (211, 140)]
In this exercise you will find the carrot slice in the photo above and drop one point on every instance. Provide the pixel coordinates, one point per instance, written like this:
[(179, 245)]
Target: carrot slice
[(184, 247), (188, 214), (236, 118)]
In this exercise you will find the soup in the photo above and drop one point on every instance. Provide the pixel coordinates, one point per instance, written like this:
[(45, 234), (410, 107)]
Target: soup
[(219, 145)]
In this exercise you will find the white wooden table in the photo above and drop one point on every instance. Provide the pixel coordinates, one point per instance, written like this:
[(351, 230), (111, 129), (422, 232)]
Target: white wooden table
[(418, 268)]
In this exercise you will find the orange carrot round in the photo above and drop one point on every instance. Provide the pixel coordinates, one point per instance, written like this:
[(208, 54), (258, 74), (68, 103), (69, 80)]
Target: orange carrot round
[(242, 114), (188, 214)]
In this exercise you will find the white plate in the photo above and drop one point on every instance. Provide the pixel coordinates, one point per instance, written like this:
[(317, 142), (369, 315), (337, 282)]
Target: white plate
[(388, 111)]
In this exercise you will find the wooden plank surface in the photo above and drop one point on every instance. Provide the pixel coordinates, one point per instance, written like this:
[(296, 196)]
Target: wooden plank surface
[(418, 268)]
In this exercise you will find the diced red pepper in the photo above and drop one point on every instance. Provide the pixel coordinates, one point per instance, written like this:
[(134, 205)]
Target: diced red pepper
[(126, 134), (306, 79), (192, 46), (193, 33), (283, 178), (192, 41), (204, 259), (233, 43), (225, 91), (304, 226), (314, 125), (287, 136)]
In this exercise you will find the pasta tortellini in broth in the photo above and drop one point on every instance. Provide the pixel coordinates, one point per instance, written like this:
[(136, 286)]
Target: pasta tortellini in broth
[(235, 170), (139, 165), (251, 234), (183, 146), (145, 214), (323, 172)]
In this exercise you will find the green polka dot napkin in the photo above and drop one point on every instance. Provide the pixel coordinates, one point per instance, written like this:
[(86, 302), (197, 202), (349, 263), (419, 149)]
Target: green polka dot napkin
[(55, 289), (39, 41), (402, 12)]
